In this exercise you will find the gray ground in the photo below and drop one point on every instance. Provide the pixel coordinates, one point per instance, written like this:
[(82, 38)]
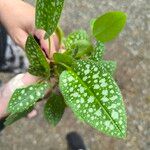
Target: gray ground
[(131, 51)]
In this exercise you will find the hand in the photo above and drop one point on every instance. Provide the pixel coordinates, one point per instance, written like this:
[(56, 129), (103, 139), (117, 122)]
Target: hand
[(18, 18)]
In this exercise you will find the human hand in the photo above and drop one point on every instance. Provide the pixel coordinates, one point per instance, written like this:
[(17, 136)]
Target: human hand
[(18, 19)]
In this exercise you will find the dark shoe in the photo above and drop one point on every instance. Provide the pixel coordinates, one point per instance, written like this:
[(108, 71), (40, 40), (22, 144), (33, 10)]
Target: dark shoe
[(75, 141)]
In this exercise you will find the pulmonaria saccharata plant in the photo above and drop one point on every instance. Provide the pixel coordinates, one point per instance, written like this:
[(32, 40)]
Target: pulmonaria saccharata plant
[(83, 80)]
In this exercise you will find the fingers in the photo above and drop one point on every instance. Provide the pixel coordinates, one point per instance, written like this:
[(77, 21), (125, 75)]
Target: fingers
[(54, 43)]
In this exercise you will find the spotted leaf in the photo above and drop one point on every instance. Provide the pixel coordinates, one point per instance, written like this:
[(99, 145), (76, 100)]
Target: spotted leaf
[(110, 66), (74, 37), (93, 95), (15, 117), (54, 109), (48, 13), (23, 98), (99, 50), (38, 63)]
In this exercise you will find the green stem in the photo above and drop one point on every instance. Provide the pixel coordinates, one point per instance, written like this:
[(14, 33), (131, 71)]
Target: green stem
[(49, 42)]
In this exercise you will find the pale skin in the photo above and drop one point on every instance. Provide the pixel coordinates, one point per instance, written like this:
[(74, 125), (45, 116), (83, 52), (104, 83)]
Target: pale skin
[(18, 19)]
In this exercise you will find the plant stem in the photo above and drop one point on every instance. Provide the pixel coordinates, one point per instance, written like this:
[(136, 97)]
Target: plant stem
[(49, 42)]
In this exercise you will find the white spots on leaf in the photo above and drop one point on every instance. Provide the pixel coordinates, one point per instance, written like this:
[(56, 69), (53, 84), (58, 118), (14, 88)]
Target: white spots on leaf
[(86, 72), (81, 90), (113, 97), (84, 78), (71, 89), (105, 92), (105, 99), (104, 84), (91, 99), (31, 97), (96, 86), (98, 112), (90, 110), (115, 115), (96, 76)]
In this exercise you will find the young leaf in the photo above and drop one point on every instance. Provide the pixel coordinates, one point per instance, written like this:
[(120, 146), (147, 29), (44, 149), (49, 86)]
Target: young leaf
[(54, 109), (81, 48), (38, 63), (63, 58), (99, 50), (23, 98), (94, 96), (74, 37), (47, 15), (108, 26), (15, 117)]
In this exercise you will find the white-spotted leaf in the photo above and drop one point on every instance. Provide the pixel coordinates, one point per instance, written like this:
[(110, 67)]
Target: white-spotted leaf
[(48, 13), (99, 50), (93, 95), (74, 37), (15, 117), (23, 98), (38, 63), (54, 109), (110, 66)]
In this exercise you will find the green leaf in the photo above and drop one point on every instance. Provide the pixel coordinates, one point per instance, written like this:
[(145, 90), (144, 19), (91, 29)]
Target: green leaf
[(74, 37), (15, 117), (38, 63), (110, 66), (54, 109), (48, 13), (81, 48), (94, 96), (63, 59), (23, 98), (99, 50), (108, 26)]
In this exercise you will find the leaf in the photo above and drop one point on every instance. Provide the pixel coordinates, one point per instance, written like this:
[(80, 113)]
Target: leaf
[(54, 109), (15, 117), (108, 26), (38, 63), (81, 48), (74, 37), (110, 66), (93, 95), (63, 58), (23, 98), (48, 13), (99, 50)]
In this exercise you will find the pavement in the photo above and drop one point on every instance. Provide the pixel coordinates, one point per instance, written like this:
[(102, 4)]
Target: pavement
[(131, 51)]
